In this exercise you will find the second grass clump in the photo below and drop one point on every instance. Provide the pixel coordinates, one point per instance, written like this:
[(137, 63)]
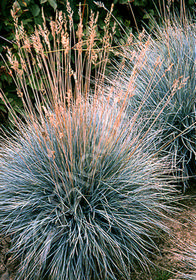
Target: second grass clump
[(165, 89)]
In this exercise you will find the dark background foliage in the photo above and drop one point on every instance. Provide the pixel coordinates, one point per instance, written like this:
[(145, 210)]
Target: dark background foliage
[(130, 13)]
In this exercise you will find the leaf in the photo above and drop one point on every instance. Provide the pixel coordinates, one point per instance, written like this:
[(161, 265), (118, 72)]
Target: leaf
[(38, 19), (26, 21), (43, 1), (53, 4), (124, 2), (35, 10), (149, 14), (140, 3), (3, 108)]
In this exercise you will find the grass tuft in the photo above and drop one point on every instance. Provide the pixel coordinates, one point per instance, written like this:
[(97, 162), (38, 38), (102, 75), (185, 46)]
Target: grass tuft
[(165, 87), (80, 201)]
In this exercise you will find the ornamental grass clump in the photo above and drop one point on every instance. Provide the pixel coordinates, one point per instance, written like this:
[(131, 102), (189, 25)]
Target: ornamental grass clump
[(82, 193), (80, 196), (165, 88)]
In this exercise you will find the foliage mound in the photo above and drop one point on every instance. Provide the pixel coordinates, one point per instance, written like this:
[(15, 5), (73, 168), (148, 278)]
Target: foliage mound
[(80, 200), (165, 88)]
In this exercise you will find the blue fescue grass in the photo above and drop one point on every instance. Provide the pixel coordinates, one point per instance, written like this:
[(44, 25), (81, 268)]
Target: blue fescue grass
[(80, 200), (165, 88)]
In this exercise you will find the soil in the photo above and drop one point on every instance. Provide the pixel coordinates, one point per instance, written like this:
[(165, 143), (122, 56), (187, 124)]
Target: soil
[(179, 252), (177, 256), (8, 266)]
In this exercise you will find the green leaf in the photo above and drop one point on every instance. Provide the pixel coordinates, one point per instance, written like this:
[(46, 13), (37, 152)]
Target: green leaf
[(53, 4), (149, 14), (38, 20), (26, 21), (141, 3), (27, 2), (123, 1), (3, 108), (35, 10), (3, 77), (43, 1)]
